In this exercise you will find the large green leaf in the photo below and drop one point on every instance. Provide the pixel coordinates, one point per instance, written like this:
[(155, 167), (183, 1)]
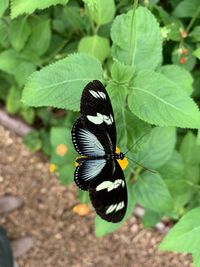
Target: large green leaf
[(186, 8), (158, 148), (96, 46), (40, 37), (19, 7), (196, 259), (101, 11), (3, 6), (14, 63), (157, 100), (172, 173), (61, 84), (185, 235), (189, 149), (151, 192), (13, 100), (180, 76), (147, 45), (19, 32)]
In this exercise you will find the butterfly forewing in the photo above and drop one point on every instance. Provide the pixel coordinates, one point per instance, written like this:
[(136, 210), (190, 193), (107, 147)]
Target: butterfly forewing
[(85, 142), (97, 113)]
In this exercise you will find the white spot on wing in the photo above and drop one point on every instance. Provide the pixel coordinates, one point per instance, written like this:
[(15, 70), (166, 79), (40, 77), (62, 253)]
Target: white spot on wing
[(115, 207), (99, 118), (97, 94), (110, 185)]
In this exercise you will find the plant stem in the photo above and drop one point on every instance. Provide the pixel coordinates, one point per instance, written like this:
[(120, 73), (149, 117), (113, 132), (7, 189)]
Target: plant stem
[(132, 33), (193, 19)]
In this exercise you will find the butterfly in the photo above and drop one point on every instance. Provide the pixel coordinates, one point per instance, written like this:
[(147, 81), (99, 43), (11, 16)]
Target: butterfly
[(98, 170)]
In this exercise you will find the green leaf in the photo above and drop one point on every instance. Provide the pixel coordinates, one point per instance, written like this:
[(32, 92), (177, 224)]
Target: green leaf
[(151, 218), (32, 140), (28, 114), (158, 148), (151, 192), (40, 37), (19, 7), (65, 173), (19, 32), (189, 149), (45, 138), (61, 84), (185, 235), (3, 6), (129, 128), (4, 42), (172, 173), (157, 100), (121, 73), (13, 100), (117, 94), (195, 34), (96, 46), (147, 47), (58, 136), (180, 76), (14, 63), (196, 259), (186, 8), (101, 11), (103, 227), (173, 31), (196, 53)]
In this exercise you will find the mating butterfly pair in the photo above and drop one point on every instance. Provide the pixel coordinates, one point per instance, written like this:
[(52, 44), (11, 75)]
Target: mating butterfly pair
[(94, 138)]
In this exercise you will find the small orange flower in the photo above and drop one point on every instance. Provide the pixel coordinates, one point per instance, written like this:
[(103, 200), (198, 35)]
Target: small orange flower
[(52, 167), (81, 209), (183, 60), (61, 150)]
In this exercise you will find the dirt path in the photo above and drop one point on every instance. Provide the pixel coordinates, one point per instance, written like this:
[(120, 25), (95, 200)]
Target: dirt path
[(62, 238)]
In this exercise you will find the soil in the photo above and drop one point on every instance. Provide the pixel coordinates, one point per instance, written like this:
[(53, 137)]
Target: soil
[(62, 238)]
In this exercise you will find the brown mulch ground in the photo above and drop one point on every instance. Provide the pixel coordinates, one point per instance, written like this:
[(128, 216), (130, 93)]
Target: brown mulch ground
[(62, 238)]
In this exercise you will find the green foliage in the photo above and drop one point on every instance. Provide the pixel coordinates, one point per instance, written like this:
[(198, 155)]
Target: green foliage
[(148, 59), (181, 237), (96, 46), (19, 7), (145, 52), (66, 78), (33, 141), (144, 192), (163, 106), (101, 11)]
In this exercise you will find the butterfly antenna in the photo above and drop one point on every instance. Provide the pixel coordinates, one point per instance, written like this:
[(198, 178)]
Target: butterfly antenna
[(134, 144), (147, 169)]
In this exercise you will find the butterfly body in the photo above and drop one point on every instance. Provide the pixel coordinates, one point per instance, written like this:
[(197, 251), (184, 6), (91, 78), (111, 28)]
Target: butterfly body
[(98, 170)]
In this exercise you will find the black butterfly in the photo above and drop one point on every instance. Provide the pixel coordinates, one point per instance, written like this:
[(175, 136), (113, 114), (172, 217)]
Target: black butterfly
[(94, 138)]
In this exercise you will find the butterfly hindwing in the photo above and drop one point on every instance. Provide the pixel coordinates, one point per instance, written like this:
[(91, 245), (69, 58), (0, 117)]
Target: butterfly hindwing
[(88, 170), (108, 193)]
